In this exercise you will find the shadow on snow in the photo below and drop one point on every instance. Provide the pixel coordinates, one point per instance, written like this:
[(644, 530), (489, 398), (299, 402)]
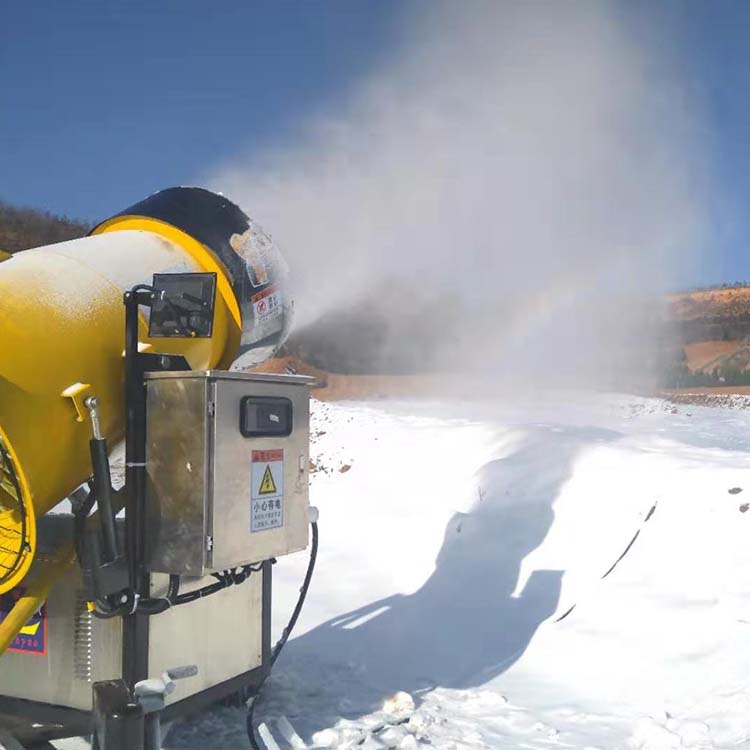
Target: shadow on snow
[(463, 626), (461, 629)]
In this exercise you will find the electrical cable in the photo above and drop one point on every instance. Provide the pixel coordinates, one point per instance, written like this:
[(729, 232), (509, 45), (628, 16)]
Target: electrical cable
[(191, 596), (105, 610), (302, 596), (163, 603), (250, 720), (173, 598)]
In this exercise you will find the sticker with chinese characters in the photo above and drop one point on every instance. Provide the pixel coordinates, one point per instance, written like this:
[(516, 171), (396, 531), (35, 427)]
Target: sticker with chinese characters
[(267, 305), (267, 490)]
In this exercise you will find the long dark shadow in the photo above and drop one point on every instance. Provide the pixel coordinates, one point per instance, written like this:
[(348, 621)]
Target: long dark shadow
[(463, 626)]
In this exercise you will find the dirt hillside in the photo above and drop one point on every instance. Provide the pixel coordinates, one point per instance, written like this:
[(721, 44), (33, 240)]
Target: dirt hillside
[(720, 304), (713, 326)]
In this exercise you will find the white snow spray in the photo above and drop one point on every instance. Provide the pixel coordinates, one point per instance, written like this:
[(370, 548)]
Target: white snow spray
[(511, 189)]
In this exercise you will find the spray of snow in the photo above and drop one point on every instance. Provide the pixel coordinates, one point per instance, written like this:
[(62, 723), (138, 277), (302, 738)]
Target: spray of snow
[(520, 175)]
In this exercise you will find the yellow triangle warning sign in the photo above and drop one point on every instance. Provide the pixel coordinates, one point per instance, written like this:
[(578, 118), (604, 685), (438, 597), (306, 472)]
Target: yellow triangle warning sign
[(267, 485)]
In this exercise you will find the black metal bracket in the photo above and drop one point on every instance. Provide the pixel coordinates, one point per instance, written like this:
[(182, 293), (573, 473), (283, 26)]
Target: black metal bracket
[(137, 364), (118, 718)]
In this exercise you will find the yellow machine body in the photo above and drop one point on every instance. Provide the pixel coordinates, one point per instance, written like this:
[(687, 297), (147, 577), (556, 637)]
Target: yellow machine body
[(62, 339)]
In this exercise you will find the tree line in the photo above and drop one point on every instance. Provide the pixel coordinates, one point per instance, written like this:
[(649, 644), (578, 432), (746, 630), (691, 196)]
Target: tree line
[(713, 287), (679, 375), (22, 228)]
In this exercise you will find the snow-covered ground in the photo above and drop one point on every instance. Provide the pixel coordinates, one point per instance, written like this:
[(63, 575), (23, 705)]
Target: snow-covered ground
[(462, 532), (459, 536)]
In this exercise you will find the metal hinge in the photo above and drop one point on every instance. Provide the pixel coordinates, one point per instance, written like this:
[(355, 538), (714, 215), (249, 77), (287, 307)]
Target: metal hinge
[(211, 408), (209, 543)]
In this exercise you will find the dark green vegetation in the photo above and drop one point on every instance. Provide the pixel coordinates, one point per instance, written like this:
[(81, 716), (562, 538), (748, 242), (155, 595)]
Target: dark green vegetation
[(681, 376), (22, 228)]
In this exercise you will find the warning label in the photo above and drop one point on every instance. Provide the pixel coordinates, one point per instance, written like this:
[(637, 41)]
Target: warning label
[(267, 305), (267, 490), (267, 485), (33, 636)]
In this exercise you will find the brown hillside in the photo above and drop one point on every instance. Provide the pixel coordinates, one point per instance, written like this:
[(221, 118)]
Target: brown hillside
[(705, 355), (23, 228), (712, 304), (714, 327)]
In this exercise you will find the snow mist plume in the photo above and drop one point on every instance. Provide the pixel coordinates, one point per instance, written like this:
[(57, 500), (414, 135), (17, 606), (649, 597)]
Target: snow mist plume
[(505, 191)]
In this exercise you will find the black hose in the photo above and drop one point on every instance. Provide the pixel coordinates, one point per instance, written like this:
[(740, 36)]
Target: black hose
[(105, 610), (162, 604), (250, 721), (173, 598), (222, 582), (302, 596)]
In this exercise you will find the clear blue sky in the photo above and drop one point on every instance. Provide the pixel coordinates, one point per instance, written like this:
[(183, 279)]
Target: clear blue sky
[(103, 102), (717, 54)]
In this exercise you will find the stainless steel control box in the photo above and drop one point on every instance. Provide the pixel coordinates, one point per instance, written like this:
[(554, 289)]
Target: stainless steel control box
[(227, 457)]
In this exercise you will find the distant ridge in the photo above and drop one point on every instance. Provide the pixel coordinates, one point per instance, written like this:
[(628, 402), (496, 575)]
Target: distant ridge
[(23, 228), (713, 287)]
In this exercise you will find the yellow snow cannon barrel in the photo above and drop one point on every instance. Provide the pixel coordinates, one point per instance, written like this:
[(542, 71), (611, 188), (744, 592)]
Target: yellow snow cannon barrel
[(62, 323)]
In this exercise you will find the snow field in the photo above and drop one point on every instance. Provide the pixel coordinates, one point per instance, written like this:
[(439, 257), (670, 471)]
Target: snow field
[(464, 531)]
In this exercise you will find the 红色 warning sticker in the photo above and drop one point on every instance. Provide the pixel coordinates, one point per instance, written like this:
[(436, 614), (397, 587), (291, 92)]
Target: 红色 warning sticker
[(32, 638), (267, 305), (267, 490)]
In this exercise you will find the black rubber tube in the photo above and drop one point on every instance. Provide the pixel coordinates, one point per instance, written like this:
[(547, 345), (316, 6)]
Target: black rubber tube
[(302, 596), (250, 721)]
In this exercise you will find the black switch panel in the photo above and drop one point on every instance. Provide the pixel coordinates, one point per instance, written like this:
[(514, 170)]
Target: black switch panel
[(265, 416)]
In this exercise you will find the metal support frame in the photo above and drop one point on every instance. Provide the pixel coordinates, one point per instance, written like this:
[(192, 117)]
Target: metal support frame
[(137, 364)]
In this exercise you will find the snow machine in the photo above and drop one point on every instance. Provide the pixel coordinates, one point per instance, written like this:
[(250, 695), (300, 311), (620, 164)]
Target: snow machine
[(135, 601)]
